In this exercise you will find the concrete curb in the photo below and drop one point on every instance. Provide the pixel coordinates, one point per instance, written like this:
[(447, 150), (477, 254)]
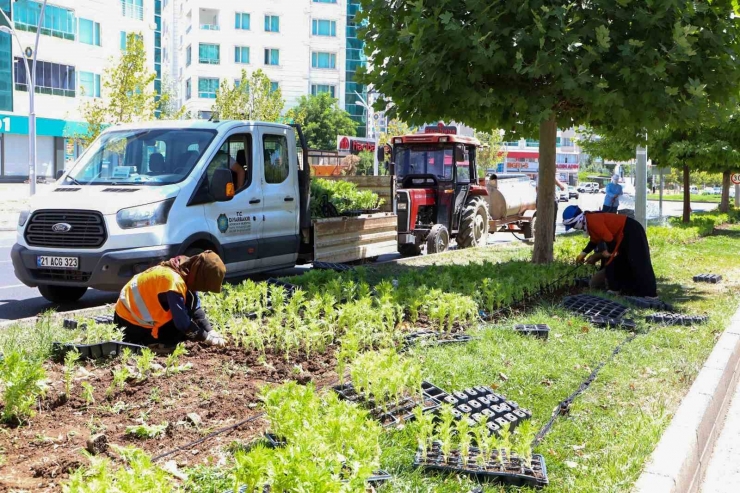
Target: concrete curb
[(69, 314), (679, 462)]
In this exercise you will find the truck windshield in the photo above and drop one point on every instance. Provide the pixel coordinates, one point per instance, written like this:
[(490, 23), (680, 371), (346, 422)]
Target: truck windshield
[(141, 157), (431, 159)]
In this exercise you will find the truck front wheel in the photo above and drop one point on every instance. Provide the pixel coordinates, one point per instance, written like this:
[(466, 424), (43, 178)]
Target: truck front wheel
[(62, 294), (474, 224), (438, 240)]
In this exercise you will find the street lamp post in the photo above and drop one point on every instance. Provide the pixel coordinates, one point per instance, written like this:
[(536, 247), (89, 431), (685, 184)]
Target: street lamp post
[(31, 78), (369, 130)]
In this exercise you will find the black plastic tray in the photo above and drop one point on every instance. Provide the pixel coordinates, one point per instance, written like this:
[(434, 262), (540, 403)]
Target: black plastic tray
[(434, 338), (541, 331), (289, 288), (455, 466), (676, 319), (710, 278), (332, 266), (70, 323), (654, 304), (593, 306), (109, 349), (614, 323), (401, 412)]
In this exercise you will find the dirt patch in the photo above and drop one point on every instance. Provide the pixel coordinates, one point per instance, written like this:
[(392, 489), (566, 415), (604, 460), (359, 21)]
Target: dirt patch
[(221, 388)]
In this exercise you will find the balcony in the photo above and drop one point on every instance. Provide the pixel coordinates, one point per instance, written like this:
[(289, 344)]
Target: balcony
[(132, 9), (208, 20)]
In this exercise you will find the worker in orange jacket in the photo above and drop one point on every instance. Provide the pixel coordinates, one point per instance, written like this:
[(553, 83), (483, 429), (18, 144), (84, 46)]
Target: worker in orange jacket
[(161, 304), (627, 254)]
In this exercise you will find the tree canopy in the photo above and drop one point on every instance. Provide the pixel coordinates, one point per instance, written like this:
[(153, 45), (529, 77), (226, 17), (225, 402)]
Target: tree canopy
[(322, 121), (252, 98), (543, 63)]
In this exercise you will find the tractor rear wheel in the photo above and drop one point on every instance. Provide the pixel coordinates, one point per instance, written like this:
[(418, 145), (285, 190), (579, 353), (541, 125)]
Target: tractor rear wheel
[(409, 250), (438, 240), (528, 228), (473, 224)]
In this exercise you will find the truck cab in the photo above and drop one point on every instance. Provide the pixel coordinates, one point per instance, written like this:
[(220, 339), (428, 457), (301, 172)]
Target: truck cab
[(144, 193)]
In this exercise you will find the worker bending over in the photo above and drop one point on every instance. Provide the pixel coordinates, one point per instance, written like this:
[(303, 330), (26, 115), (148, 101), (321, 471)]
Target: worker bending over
[(161, 304), (628, 268)]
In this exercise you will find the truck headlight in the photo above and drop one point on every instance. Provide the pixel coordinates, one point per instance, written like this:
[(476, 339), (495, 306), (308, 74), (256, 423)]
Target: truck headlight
[(23, 218), (144, 215)]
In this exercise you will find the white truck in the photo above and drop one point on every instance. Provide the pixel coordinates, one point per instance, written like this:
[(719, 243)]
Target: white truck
[(144, 193)]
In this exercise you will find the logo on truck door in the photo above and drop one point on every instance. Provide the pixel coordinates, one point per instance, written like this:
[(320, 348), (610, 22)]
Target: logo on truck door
[(234, 224)]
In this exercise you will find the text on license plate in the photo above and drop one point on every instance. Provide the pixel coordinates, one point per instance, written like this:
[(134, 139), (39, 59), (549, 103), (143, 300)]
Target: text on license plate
[(58, 262)]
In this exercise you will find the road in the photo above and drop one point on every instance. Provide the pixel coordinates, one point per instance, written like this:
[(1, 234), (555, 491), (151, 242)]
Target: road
[(18, 301)]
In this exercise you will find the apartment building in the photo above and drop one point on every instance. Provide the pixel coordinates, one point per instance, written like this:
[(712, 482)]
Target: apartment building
[(78, 40), (303, 46)]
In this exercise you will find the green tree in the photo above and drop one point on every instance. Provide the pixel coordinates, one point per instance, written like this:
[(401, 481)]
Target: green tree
[(168, 104), (492, 151), (395, 128), (251, 99), (528, 67), (127, 94), (322, 120)]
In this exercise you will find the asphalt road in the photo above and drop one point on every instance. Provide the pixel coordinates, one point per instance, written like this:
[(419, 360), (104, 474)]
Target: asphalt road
[(18, 301)]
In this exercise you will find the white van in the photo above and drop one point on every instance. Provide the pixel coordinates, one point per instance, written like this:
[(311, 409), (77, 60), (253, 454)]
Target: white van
[(144, 193)]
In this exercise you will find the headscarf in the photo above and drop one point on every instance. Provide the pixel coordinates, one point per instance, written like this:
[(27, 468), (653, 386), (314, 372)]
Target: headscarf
[(573, 217), (615, 179), (203, 272)]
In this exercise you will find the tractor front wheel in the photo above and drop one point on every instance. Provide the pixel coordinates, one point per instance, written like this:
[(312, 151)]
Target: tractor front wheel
[(409, 250), (473, 224), (438, 240)]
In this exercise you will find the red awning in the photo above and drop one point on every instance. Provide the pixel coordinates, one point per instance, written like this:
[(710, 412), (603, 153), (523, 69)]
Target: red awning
[(524, 154)]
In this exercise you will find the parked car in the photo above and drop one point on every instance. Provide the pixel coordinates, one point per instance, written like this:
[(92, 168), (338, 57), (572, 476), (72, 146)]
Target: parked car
[(590, 187), (694, 190), (562, 194), (573, 193)]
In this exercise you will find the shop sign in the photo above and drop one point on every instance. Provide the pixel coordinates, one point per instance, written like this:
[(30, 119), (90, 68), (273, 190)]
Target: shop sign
[(355, 145)]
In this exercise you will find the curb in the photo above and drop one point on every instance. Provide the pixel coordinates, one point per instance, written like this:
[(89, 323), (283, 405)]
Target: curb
[(79, 311), (680, 459)]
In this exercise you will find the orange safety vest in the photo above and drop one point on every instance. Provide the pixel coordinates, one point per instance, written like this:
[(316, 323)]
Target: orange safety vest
[(139, 303)]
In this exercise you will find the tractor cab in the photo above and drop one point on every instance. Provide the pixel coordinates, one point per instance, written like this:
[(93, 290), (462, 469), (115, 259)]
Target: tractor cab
[(438, 196)]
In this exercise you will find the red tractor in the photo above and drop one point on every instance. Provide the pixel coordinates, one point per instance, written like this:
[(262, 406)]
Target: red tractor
[(438, 195)]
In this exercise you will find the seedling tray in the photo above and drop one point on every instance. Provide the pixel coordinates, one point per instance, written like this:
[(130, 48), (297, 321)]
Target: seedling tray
[(70, 323), (614, 323), (654, 304), (676, 319), (109, 349), (710, 278), (434, 338), (290, 289), (541, 331), (332, 266), (376, 480), (510, 471), (593, 306), (394, 414), (582, 282)]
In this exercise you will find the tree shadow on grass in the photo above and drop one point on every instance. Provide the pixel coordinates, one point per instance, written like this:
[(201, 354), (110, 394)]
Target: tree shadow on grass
[(677, 293), (730, 233)]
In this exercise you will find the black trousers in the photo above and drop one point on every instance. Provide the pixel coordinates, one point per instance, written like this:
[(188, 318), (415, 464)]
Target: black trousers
[(631, 271), (168, 333)]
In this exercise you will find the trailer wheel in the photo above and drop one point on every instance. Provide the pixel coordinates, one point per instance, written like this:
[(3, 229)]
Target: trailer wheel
[(474, 224), (409, 250), (529, 227), (438, 240)]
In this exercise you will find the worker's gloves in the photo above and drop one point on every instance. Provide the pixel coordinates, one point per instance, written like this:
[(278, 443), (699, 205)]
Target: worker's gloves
[(213, 338), (581, 258)]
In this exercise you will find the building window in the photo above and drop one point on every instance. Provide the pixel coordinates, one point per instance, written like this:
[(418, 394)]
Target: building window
[(58, 22), (188, 90), (51, 78), (89, 32), (207, 88), (241, 54), (324, 1), (323, 60), (188, 55), (89, 84), (322, 27), (209, 54), (272, 56), (317, 89), (274, 86), (133, 9), (272, 24), (242, 21)]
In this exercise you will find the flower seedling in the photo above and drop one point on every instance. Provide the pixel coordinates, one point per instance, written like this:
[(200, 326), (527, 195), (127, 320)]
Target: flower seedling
[(147, 431), (445, 431), (70, 359), (464, 438), (425, 425), (481, 434), (144, 363), (87, 393), (172, 363)]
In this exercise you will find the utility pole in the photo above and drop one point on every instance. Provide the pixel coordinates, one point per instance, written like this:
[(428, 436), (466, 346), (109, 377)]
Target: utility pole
[(641, 186)]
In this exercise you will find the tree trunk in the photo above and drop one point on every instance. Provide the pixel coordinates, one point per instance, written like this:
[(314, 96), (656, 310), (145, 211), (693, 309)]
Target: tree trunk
[(724, 205), (686, 194), (544, 233)]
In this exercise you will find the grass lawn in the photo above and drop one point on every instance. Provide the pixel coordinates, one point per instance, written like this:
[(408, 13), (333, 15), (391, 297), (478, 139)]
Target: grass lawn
[(601, 445), (712, 199)]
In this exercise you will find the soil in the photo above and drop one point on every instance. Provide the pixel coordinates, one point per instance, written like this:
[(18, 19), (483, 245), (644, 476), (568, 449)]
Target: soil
[(221, 388)]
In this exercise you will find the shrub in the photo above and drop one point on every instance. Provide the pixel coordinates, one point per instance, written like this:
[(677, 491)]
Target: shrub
[(21, 381), (343, 195)]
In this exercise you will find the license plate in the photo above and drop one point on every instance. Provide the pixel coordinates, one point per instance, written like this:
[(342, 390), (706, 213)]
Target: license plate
[(58, 262)]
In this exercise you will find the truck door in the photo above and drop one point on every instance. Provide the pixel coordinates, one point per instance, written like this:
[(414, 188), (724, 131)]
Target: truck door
[(237, 224), (280, 233)]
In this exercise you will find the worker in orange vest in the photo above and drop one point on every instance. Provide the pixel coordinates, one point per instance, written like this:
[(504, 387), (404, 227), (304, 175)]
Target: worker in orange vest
[(161, 304), (628, 267)]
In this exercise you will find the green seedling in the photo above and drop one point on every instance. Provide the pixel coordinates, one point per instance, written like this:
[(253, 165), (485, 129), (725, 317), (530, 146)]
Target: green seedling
[(21, 381), (464, 439), (481, 434), (524, 436), (144, 363), (445, 431), (173, 359), (147, 431), (251, 468), (425, 426), (126, 355), (70, 359), (120, 376), (87, 393)]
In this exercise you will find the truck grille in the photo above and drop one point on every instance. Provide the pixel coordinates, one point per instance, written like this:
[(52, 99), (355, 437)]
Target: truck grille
[(61, 275), (87, 229)]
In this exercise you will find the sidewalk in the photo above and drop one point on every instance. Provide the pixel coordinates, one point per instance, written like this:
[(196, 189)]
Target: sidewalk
[(13, 199), (723, 471)]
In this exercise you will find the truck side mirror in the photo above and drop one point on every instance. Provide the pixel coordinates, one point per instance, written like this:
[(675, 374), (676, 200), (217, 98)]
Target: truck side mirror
[(60, 173), (221, 187)]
